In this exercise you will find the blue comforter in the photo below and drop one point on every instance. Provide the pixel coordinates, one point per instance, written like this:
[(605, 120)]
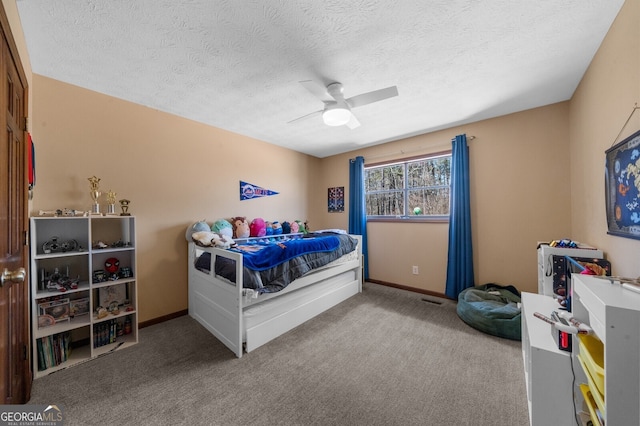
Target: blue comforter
[(262, 256)]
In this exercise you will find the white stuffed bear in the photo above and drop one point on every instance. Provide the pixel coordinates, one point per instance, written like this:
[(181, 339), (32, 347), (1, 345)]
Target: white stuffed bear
[(212, 239)]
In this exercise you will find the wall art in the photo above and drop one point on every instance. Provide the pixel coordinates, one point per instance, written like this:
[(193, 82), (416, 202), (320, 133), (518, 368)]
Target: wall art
[(336, 199), (249, 191), (622, 188)]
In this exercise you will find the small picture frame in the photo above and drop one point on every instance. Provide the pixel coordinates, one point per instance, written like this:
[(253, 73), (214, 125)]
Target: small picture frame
[(113, 293), (78, 307), (57, 309)]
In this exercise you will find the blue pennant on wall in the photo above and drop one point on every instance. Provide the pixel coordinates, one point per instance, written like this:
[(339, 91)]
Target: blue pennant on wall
[(249, 191)]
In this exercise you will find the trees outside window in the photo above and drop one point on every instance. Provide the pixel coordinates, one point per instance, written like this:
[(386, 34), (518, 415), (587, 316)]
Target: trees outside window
[(409, 189)]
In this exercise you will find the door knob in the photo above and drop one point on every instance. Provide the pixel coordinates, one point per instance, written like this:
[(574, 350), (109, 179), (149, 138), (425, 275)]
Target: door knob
[(16, 276)]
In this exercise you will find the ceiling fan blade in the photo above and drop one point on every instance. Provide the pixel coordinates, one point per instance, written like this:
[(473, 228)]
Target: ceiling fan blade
[(304, 117), (353, 122), (317, 90), (370, 97)]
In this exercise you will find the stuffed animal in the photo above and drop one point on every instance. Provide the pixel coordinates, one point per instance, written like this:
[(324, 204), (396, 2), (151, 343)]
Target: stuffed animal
[(276, 227), (212, 239), (202, 238), (269, 228), (286, 227), (222, 227), (222, 241), (240, 227), (257, 228), (301, 227), (294, 227), (198, 226)]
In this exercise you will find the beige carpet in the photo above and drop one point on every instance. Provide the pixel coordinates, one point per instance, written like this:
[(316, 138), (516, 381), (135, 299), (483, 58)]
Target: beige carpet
[(383, 357)]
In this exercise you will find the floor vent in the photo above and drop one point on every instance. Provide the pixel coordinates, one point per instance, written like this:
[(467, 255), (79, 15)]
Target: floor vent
[(435, 302)]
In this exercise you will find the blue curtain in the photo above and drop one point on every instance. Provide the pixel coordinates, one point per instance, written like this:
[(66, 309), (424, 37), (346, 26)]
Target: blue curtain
[(460, 257), (357, 206)]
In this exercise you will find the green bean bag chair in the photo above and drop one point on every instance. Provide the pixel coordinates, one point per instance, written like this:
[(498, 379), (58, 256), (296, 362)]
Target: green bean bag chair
[(492, 309)]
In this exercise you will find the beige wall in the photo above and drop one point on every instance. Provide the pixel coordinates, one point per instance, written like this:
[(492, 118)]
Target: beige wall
[(173, 170), (599, 109), (520, 195)]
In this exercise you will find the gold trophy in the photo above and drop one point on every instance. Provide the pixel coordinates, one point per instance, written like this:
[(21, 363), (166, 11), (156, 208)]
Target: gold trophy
[(95, 194), (124, 205), (111, 199)]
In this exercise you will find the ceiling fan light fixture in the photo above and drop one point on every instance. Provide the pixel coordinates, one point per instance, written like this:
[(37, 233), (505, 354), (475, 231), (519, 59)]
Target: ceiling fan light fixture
[(336, 115)]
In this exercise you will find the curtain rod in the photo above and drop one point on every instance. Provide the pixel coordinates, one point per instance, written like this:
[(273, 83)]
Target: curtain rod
[(403, 152)]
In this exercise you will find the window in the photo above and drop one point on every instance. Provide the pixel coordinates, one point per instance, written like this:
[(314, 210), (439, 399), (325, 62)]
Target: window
[(410, 189)]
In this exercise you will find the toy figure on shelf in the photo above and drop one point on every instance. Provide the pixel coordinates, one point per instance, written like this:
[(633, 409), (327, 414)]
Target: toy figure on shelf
[(62, 212), (125, 272), (112, 266), (53, 245), (100, 245), (99, 276), (59, 282)]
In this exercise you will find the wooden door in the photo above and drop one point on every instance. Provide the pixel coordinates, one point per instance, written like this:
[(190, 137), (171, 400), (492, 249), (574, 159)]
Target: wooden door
[(15, 374)]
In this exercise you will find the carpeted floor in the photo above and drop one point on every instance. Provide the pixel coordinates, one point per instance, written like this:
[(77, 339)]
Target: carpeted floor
[(383, 357)]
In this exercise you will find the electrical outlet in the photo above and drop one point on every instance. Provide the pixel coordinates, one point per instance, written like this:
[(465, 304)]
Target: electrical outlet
[(415, 270)]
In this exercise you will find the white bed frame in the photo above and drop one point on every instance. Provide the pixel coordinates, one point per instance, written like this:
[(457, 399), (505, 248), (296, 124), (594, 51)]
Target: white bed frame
[(219, 305)]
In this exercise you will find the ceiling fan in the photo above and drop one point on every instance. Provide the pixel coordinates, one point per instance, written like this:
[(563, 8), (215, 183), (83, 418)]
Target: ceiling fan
[(337, 109)]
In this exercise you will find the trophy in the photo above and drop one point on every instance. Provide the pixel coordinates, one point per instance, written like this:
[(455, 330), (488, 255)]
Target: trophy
[(95, 194), (111, 199), (124, 205)]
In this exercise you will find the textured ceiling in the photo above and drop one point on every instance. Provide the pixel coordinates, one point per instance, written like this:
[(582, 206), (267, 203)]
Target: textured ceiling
[(236, 64)]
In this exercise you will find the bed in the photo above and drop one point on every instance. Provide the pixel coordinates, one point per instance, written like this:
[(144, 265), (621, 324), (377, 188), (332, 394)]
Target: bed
[(245, 315)]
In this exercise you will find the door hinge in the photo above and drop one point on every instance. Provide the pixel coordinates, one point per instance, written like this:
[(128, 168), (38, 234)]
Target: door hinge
[(24, 352), (25, 236), (25, 124)]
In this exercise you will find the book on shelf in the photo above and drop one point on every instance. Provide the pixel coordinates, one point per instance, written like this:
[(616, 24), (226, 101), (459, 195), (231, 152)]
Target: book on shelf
[(53, 350), (105, 332)]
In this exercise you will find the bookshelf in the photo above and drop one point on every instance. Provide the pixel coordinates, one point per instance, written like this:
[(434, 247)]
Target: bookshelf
[(83, 289)]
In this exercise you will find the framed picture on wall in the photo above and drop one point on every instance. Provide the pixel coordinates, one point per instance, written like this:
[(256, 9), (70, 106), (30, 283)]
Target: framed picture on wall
[(336, 199), (622, 188)]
